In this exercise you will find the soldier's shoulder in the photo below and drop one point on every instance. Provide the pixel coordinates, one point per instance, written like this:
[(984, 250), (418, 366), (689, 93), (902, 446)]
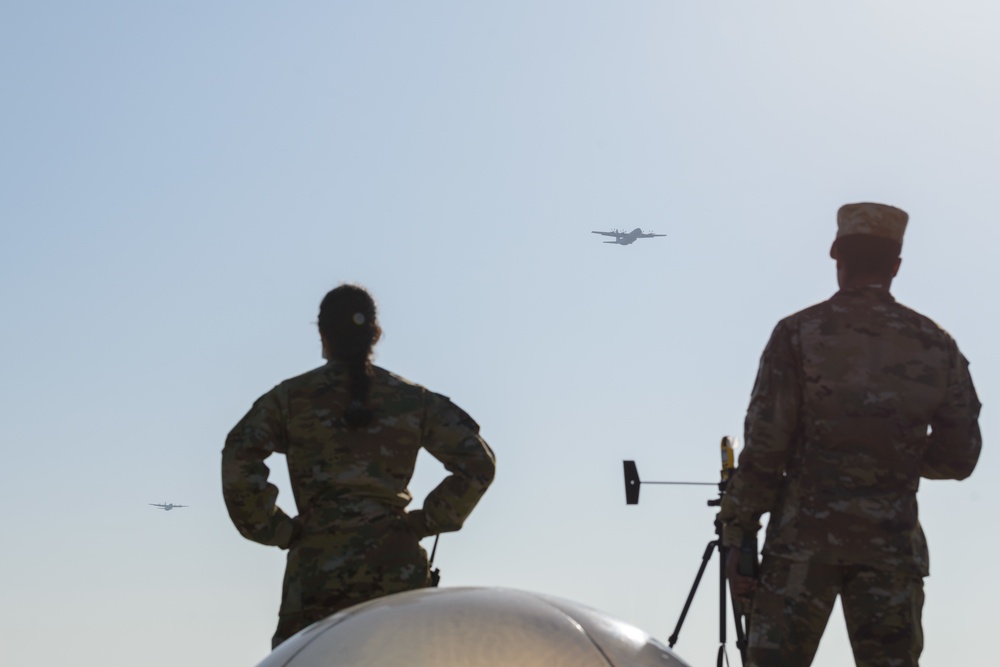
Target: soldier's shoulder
[(919, 319), (450, 412), (913, 324), (309, 378), (395, 381), (445, 409), (793, 323), (811, 312)]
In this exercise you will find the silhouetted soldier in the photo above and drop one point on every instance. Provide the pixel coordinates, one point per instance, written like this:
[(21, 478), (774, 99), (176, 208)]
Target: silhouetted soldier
[(856, 399), (350, 432)]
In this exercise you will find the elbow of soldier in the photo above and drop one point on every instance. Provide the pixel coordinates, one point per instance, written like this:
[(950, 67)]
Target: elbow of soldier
[(965, 471), (436, 526), (956, 472), (489, 476), (482, 475)]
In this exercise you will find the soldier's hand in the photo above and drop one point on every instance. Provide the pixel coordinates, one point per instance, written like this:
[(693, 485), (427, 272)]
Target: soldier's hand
[(416, 520), (740, 586)]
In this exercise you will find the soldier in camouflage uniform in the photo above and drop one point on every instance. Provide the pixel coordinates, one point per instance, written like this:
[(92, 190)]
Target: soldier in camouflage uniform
[(856, 399), (350, 432)]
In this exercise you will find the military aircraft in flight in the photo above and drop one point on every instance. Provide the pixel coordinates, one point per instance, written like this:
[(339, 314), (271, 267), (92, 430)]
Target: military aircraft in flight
[(626, 238), (166, 507)]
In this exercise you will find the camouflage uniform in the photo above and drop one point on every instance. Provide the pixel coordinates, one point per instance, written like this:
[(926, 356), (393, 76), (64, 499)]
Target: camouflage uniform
[(352, 540), (856, 399)]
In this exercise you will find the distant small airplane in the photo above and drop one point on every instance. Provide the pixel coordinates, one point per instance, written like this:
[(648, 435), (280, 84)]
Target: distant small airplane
[(625, 238), (166, 507)]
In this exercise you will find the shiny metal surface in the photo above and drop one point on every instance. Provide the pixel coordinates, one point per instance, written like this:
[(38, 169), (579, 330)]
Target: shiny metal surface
[(471, 627)]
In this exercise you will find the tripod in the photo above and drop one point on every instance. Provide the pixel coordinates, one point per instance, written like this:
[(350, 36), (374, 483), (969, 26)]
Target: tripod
[(741, 620)]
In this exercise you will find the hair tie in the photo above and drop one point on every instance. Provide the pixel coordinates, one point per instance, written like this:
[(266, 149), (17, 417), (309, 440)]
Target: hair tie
[(359, 318)]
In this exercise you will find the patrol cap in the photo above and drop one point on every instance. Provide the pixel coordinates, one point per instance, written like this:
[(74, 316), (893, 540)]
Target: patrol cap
[(866, 218)]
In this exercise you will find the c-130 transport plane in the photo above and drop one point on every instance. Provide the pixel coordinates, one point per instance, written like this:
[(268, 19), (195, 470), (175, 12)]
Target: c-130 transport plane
[(626, 238), (166, 507)]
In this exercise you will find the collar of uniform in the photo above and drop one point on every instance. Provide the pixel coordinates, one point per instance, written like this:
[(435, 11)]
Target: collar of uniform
[(335, 367), (876, 292)]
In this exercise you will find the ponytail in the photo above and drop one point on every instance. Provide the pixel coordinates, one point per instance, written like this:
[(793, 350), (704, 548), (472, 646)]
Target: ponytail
[(347, 324)]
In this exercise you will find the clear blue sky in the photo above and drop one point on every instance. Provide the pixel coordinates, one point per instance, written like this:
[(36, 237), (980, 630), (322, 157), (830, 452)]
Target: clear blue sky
[(181, 182)]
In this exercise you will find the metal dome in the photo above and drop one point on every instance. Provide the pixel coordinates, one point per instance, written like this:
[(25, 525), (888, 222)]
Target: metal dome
[(471, 627)]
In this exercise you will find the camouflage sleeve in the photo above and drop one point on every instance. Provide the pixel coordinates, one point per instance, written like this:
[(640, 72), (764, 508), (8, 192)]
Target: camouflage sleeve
[(771, 422), (954, 443), (249, 497), (452, 437)]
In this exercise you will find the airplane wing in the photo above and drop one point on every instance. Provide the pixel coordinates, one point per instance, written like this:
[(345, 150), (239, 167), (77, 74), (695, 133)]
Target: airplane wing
[(180, 505), (649, 235), (615, 234)]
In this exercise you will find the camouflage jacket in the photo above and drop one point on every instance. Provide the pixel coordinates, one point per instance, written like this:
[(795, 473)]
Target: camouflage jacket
[(856, 399), (343, 478)]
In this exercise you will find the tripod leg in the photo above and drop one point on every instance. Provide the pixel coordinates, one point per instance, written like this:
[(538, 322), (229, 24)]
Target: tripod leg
[(723, 588), (701, 570)]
